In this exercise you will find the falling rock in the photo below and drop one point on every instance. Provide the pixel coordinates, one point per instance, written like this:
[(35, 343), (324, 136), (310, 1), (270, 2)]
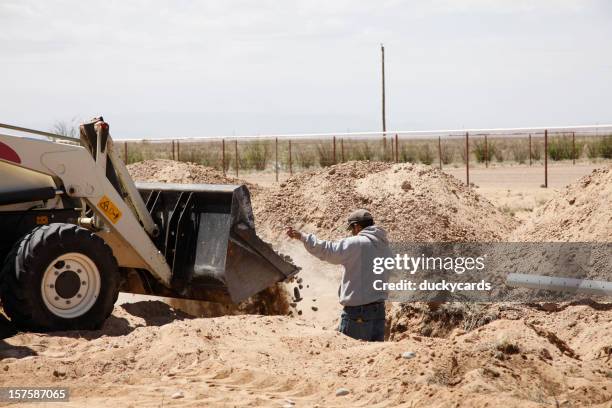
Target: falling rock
[(314, 308), (408, 355), (341, 392), (296, 294), (59, 373)]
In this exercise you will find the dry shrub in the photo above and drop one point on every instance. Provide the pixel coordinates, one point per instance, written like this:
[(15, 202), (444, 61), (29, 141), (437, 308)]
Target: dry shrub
[(326, 155), (305, 159), (481, 151), (508, 347), (536, 151), (447, 153), (520, 152), (439, 319), (202, 156), (561, 148), (425, 155), (407, 154), (255, 155), (364, 151), (599, 148)]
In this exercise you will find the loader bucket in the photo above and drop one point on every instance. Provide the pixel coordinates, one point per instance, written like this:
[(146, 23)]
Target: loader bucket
[(207, 234)]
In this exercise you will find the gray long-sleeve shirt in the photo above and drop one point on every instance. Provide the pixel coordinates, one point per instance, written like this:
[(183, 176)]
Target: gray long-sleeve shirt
[(356, 254)]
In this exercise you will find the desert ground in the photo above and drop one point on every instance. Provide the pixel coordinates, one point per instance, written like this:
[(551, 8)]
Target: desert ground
[(159, 352)]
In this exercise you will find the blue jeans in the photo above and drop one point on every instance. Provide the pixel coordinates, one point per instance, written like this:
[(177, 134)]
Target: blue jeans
[(364, 322)]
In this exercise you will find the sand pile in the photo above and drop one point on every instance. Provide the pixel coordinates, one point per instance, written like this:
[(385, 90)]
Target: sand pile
[(580, 213), (170, 171), (412, 202)]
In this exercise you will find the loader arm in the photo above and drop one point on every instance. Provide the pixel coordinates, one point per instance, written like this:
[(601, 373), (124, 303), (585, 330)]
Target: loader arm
[(80, 176), (95, 136)]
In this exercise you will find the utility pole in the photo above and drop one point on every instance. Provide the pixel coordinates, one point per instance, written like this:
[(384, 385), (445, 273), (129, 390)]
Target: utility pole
[(384, 115)]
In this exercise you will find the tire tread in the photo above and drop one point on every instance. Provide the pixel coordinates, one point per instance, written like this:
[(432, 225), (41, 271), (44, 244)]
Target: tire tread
[(21, 264)]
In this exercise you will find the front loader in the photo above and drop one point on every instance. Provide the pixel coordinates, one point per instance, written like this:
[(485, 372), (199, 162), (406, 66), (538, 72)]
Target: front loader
[(76, 230)]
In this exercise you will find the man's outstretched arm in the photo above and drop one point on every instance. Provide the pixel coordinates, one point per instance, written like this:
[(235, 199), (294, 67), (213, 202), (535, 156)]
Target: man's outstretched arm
[(334, 252)]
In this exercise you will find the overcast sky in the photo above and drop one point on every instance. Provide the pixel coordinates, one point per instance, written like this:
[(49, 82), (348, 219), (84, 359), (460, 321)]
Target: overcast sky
[(200, 68)]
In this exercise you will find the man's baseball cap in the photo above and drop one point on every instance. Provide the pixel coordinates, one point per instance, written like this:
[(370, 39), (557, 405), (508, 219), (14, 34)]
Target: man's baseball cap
[(358, 216)]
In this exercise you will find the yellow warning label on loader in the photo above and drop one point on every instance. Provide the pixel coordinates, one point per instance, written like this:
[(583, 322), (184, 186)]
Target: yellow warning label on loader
[(42, 220), (109, 208)]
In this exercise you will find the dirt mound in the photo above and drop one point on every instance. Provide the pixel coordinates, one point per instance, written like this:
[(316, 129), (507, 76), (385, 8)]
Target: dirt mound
[(524, 358), (412, 202), (170, 171), (580, 213)]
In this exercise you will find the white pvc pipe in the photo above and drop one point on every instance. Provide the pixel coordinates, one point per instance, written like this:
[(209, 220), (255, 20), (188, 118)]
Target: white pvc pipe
[(444, 132), (559, 284), (441, 132)]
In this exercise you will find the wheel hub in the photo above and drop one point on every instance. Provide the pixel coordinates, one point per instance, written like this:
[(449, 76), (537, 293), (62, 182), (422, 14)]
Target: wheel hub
[(67, 284), (70, 285)]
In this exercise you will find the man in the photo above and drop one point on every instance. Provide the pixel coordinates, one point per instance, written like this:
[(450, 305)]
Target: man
[(363, 317)]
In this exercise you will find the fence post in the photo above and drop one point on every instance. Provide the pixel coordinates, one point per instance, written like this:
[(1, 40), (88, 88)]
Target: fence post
[(223, 155), (334, 149), (236, 156), (342, 149), (486, 152), (530, 150), (276, 156), (546, 158), (440, 151), (178, 151), (290, 163), (125, 153), (396, 148), (467, 158), (574, 148), (172, 149), (385, 157)]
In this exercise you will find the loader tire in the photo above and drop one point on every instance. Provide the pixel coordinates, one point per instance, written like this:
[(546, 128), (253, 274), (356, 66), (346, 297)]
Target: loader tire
[(59, 277)]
